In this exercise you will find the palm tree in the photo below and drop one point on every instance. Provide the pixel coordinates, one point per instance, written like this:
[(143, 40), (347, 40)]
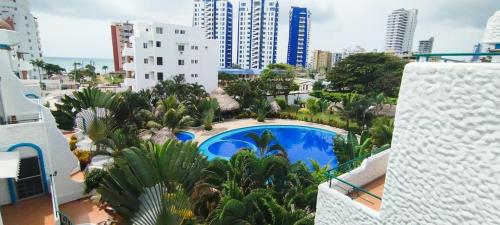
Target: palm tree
[(381, 131), (318, 172), (99, 129), (209, 107), (173, 113), (39, 64), (151, 184), (251, 190), (105, 68), (347, 108), (257, 207), (348, 148), (262, 108), (263, 143)]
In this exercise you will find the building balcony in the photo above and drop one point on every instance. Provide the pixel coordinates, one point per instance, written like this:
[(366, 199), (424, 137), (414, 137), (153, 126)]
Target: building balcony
[(362, 187), (129, 82), (129, 66), (25, 66), (128, 51)]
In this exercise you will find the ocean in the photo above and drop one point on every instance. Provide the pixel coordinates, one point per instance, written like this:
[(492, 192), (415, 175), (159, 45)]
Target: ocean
[(67, 63)]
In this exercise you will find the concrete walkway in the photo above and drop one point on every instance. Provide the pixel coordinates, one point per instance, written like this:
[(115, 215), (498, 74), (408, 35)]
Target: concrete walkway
[(202, 135)]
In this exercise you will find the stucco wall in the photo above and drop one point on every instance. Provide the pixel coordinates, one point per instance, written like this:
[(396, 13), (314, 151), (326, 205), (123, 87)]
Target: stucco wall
[(443, 167), (43, 133)]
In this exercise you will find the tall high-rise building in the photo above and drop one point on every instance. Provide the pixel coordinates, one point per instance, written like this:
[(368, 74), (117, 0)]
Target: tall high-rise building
[(215, 17), (401, 24), (120, 34), (299, 36), (425, 46), (18, 14), (321, 59), (257, 33)]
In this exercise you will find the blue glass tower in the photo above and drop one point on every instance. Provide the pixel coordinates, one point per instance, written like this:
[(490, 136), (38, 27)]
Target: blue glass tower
[(298, 42), (216, 18)]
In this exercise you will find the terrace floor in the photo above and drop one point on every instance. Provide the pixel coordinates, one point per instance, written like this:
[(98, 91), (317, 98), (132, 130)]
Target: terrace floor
[(375, 187), (38, 211)]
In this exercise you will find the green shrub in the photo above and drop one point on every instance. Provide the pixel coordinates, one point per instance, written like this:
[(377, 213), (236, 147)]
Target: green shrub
[(93, 179), (282, 103), (72, 142), (84, 157)]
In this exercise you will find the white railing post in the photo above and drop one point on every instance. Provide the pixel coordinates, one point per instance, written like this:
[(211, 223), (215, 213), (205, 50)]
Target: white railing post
[(55, 203)]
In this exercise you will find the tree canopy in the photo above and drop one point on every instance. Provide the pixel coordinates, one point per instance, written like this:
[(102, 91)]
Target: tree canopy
[(368, 73)]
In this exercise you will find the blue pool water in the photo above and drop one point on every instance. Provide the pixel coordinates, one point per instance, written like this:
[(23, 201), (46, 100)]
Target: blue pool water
[(184, 136), (301, 143)]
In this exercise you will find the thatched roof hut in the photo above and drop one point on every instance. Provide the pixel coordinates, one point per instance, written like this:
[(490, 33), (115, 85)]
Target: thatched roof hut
[(226, 102), (157, 136)]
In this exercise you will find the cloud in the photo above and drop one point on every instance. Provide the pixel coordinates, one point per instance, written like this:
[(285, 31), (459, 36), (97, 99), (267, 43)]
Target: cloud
[(336, 24), (463, 13)]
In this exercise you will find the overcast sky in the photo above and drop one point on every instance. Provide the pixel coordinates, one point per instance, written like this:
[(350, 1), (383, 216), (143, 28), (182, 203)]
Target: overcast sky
[(80, 28)]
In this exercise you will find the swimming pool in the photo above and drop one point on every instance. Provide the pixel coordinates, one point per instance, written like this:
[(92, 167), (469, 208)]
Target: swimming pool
[(301, 143), (184, 136)]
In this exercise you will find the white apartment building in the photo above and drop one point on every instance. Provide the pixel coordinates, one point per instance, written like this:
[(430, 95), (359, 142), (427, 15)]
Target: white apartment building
[(33, 151), (18, 14), (161, 51), (401, 24), (257, 33), (215, 17)]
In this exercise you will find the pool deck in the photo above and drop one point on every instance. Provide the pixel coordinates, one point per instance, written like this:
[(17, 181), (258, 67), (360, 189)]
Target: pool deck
[(202, 135)]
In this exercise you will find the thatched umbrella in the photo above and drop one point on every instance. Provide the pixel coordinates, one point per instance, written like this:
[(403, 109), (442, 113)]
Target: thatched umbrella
[(226, 102), (275, 107), (157, 136)]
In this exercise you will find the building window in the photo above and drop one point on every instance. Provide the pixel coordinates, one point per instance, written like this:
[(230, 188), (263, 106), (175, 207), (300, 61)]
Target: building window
[(158, 44), (146, 61), (183, 31), (146, 76), (182, 76), (159, 61), (159, 30), (145, 45), (159, 75), (176, 31), (181, 62), (180, 48)]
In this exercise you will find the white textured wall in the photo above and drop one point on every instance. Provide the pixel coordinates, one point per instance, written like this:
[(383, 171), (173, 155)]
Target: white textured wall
[(44, 133), (444, 163)]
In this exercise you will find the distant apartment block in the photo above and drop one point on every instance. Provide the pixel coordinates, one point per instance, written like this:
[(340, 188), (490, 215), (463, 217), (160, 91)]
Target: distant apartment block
[(299, 36), (17, 14), (120, 34), (257, 33), (215, 17), (401, 24), (425, 46), (336, 58), (321, 59), (161, 51), (351, 51)]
